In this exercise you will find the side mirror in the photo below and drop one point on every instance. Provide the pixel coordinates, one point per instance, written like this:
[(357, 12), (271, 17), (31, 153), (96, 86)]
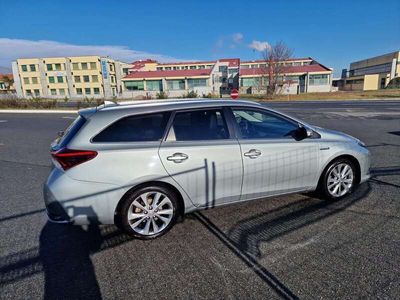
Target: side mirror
[(301, 133)]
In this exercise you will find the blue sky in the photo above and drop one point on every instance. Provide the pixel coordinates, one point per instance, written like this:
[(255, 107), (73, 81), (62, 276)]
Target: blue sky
[(333, 32)]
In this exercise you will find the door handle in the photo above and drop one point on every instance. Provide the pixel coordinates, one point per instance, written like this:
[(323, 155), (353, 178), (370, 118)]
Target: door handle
[(253, 153), (178, 157)]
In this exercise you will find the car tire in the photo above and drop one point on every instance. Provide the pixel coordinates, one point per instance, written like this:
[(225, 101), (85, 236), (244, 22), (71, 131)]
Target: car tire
[(141, 218), (338, 179)]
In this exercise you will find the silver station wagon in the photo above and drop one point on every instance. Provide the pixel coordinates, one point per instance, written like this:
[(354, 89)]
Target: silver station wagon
[(145, 164)]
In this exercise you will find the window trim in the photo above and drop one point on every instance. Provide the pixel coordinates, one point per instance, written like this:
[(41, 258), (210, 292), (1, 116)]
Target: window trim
[(231, 133), (135, 142), (239, 134)]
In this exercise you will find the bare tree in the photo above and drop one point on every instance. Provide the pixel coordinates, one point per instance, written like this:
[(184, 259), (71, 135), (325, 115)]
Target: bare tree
[(274, 57)]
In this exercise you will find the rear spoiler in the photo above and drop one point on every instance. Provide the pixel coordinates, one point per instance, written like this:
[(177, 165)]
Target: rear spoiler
[(88, 112)]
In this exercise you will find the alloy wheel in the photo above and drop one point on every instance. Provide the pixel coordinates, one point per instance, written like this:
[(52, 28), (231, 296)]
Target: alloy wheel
[(340, 180)]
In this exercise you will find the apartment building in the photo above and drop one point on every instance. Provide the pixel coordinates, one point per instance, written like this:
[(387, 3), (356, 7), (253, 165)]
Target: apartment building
[(372, 73), (68, 77), (6, 85), (148, 78)]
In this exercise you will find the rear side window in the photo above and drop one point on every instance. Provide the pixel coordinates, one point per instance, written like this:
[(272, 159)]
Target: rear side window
[(142, 128), (69, 133), (199, 125)]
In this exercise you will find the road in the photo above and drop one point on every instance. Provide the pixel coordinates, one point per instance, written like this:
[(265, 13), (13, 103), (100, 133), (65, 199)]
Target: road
[(294, 246)]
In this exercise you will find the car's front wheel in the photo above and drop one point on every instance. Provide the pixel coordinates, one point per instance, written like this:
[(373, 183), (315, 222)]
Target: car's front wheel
[(339, 179), (149, 212)]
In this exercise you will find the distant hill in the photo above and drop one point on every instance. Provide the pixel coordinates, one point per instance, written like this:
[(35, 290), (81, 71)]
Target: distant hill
[(5, 70)]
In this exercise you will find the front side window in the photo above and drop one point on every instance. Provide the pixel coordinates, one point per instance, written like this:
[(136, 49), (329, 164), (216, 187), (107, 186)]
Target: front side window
[(199, 125), (144, 128), (258, 124)]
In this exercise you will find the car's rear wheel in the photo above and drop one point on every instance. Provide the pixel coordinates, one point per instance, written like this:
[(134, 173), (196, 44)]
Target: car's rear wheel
[(149, 212), (339, 179)]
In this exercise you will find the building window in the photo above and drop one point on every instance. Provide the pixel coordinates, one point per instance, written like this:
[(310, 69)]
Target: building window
[(176, 84), (24, 68), (167, 68), (209, 66), (222, 79), (233, 71), (58, 67), (75, 66), (32, 68), (254, 66), (192, 83), (134, 85), (244, 66), (112, 79), (93, 66), (79, 91), (62, 92), (60, 79), (84, 66), (111, 68), (86, 78), (87, 91), (159, 68), (321, 79), (34, 80), (77, 78), (192, 67), (250, 81), (37, 93), (95, 78), (51, 79), (28, 93), (96, 91), (26, 80), (53, 92), (202, 67), (49, 67), (154, 85), (223, 69)]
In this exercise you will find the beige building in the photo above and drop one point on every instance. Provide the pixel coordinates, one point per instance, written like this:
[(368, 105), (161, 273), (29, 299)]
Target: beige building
[(373, 73), (68, 77)]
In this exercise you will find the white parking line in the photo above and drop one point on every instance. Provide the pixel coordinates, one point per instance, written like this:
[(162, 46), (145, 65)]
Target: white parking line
[(72, 118), (3, 121)]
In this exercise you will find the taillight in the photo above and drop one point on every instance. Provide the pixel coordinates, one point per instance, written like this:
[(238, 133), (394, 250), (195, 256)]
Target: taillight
[(69, 158)]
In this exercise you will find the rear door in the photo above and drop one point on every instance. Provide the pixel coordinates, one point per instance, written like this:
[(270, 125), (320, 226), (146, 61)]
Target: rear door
[(202, 156), (273, 161)]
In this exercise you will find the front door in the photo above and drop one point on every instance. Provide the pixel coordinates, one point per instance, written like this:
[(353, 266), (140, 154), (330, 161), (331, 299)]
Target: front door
[(200, 155), (273, 161)]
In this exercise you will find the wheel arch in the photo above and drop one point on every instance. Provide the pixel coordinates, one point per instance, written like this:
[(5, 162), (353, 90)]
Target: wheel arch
[(351, 158), (181, 208)]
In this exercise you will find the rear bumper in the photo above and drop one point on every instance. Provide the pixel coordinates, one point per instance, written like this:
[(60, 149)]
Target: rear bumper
[(79, 202)]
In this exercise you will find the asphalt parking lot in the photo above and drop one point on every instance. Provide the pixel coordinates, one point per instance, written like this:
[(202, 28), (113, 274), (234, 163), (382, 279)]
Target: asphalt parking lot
[(294, 246)]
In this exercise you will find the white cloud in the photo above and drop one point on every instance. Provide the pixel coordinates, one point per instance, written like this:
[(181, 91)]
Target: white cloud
[(237, 38), (259, 46), (11, 49)]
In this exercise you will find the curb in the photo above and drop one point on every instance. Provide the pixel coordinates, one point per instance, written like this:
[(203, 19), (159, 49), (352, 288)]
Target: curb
[(37, 111)]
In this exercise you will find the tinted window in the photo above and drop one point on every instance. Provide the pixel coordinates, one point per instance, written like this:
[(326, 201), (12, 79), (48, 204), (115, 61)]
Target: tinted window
[(256, 124), (144, 128), (199, 125), (69, 133)]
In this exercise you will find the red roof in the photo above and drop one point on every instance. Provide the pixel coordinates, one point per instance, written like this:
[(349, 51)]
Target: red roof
[(170, 73), (263, 60), (188, 63), (286, 70), (233, 62), (10, 76)]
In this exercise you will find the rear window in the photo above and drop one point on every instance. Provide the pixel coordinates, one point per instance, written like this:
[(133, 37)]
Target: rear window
[(69, 133), (142, 128)]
